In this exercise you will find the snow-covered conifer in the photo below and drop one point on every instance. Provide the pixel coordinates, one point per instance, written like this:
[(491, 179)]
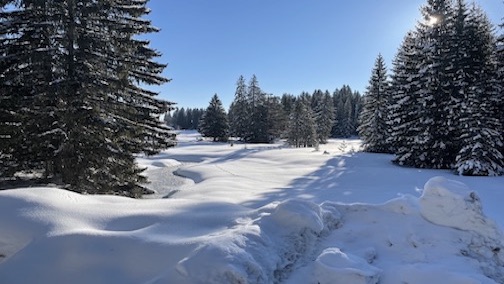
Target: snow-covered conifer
[(258, 127), (347, 106), (480, 129), (324, 115), (97, 116), (214, 122), (374, 127), (239, 111), (435, 146), (406, 107), (302, 128)]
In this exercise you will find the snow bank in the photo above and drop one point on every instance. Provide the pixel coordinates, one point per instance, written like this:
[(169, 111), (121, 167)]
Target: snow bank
[(262, 249), (452, 204), (54, 236), (441, 237)]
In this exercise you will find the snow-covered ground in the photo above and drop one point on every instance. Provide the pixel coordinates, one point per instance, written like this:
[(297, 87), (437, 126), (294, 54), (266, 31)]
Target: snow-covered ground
[(261, 214)]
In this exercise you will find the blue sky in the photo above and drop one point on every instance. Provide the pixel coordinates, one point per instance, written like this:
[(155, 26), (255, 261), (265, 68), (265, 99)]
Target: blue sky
[(290, 45)]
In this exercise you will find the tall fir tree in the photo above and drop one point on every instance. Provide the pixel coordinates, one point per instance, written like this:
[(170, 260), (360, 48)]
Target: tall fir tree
[(446, 93), (214, 122), (436, 147), (258, 127), (480, 130), (406, 108), (347, 107), (302, 128), (324, 115), (239, 111), (98, 116), (374, 128), (277, 117), (27, 88)]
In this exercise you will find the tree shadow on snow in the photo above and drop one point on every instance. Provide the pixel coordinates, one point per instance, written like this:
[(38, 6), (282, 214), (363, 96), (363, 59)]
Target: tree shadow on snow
[(351, 178)]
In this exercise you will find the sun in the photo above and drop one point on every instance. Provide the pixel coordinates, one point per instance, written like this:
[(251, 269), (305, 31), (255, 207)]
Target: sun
[(433, 20)]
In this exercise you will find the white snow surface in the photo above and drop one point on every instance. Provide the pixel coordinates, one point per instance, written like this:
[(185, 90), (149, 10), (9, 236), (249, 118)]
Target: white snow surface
[(261, 214)]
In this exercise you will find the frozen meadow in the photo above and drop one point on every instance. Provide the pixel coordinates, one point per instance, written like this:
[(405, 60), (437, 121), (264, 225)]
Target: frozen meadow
[(261, 214)]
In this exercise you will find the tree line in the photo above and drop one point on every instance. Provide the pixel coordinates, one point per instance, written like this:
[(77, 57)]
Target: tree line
[(184, 118), (442, 106), (305, 120), (72, 110)]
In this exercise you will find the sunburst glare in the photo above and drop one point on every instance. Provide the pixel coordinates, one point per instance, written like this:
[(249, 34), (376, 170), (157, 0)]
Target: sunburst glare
[(433, 20)]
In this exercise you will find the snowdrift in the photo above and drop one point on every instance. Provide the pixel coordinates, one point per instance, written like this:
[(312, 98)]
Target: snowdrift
[(55, 236)]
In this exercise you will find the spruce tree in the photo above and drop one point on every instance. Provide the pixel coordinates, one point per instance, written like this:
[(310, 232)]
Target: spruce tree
[(480, 138), (214, 122), (29, 129), (239, 111), (97, 115), (436, 147), (344, 123), (302, 127), (374, 128), (500, 77), (324, 115), (406, 109), (277, 118), (258, 127)]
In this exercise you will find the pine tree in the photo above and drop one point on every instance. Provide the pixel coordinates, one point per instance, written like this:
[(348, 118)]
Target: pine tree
[(214, 122), (258, 127), (480, 138), (500, 77), (92, 61), (29, 130), (302, 127), (277, 117), (374, 127), (357, 104), (239, 111), (324, 115), (406, 108), (446, 89), (435, 147), (342, 124)]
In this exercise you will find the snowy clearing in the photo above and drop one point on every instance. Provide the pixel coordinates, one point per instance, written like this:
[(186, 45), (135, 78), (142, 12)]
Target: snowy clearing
[(261, 214)]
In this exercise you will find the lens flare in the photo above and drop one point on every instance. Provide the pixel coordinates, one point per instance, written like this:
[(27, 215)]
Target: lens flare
[(433, 20)]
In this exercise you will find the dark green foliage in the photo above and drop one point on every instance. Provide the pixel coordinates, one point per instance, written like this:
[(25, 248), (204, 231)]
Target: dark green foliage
[(480, 139), (239, 111), (374, 128), (323, 108), (500, 78), (214, 122), (447, 93), (406, 109), (182, 118), (69, 76), (254, 116), (348, 105), (302, 127)]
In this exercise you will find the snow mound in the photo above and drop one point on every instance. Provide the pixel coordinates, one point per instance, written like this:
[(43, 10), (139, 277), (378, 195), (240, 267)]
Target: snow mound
[(263, 249), (450, 203), (336, 267)]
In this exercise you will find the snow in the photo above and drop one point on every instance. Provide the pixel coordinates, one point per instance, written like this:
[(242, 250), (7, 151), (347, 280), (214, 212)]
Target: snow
[(261, 214)]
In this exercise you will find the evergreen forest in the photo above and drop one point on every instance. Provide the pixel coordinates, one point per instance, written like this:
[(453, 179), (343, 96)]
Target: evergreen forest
[(442, 106)]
